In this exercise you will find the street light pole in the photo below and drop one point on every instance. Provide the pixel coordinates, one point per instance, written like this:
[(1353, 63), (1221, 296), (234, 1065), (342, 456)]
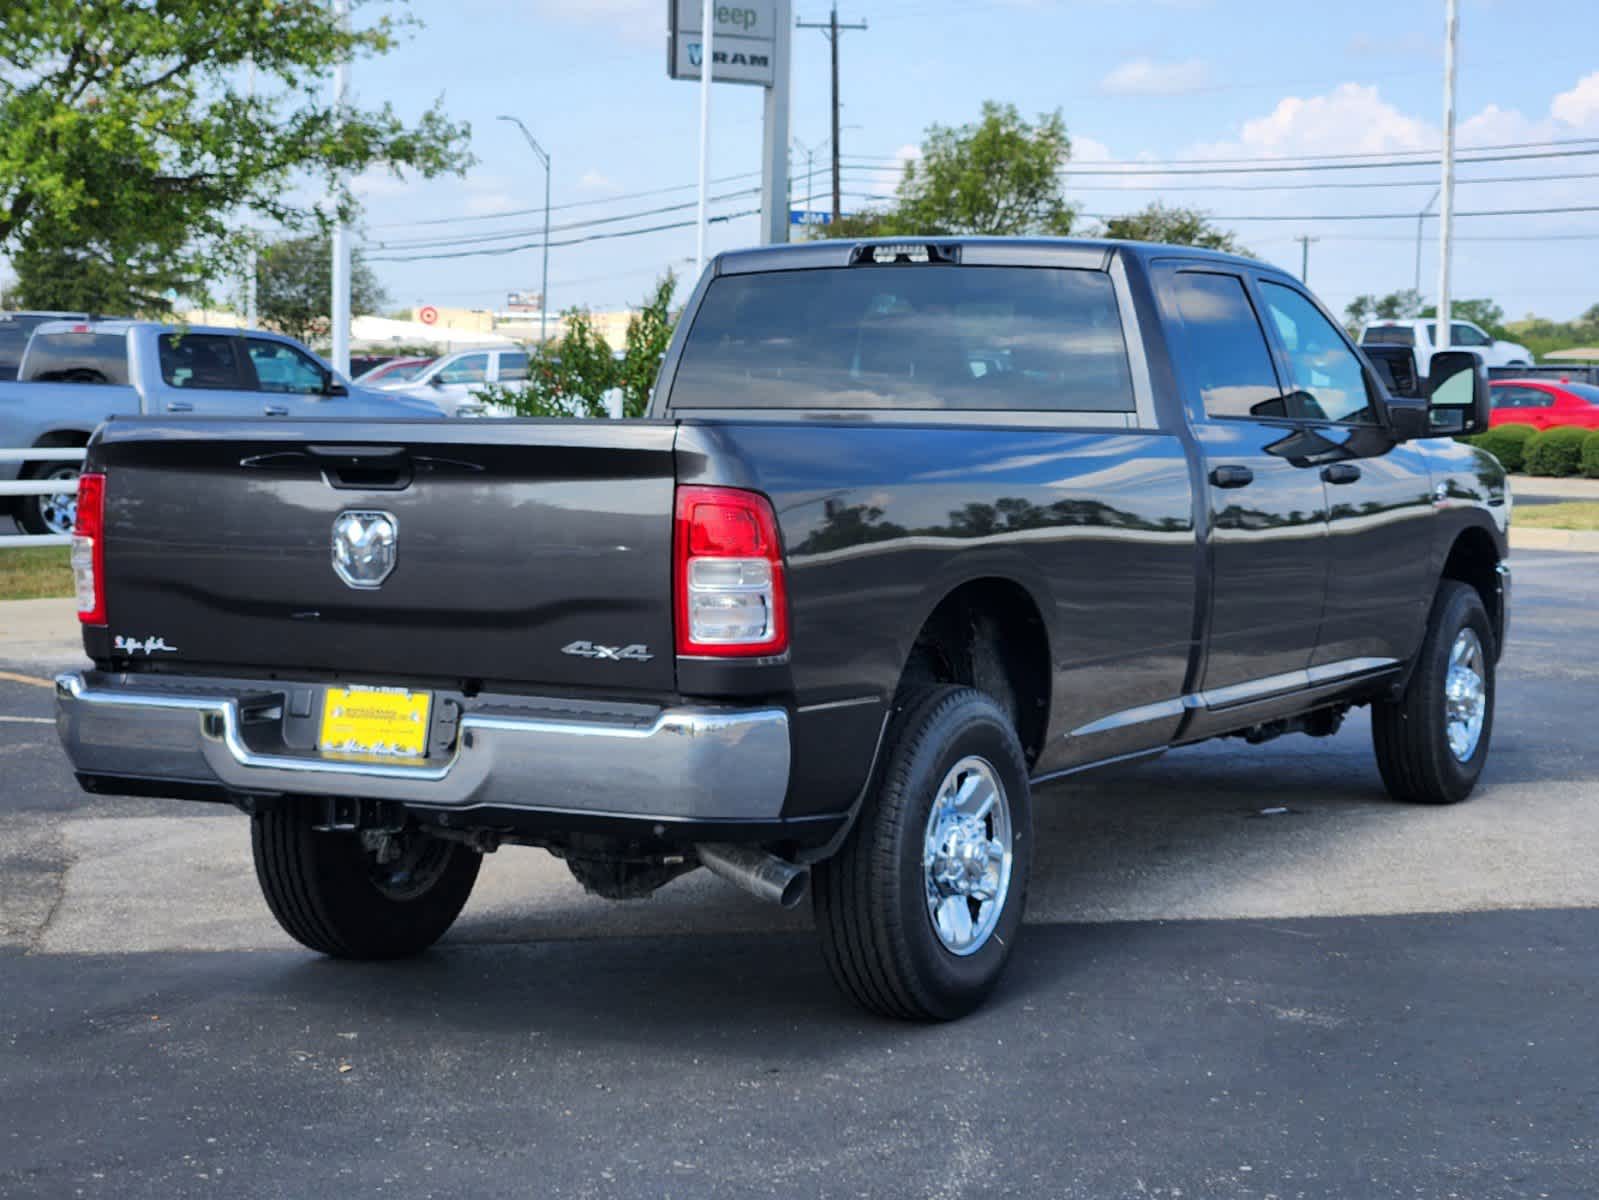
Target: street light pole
[(544, 281), (1446, 208)]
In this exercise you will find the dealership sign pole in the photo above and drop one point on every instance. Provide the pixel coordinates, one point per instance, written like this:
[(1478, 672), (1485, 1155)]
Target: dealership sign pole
[(745, 41)]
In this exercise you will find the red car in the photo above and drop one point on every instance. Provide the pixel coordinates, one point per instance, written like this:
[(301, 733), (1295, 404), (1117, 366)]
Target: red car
[(1535, 402)]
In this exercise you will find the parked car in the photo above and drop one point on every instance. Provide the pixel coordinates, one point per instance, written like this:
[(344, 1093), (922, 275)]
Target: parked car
[(1544, 404), (453, 381), (76, 374), (15, 328), (1420, 335), (391, 371), (833, 611)]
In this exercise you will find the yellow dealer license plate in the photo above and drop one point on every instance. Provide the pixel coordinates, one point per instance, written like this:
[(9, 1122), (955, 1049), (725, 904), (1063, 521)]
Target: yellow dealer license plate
[(388, 722)]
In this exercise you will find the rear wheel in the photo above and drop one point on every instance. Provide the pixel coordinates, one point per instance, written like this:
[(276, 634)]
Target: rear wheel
[(49, 514), (1432, 742), (920, 908), (352, 895)]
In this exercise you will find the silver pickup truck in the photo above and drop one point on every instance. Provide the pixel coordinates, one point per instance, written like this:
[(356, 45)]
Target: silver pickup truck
[(76, 374)]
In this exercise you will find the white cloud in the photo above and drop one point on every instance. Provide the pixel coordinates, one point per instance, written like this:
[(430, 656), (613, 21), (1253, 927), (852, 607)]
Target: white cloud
[(595, 181), (1495, 126), (1579, 107), (1146, 77), (1352, 118)]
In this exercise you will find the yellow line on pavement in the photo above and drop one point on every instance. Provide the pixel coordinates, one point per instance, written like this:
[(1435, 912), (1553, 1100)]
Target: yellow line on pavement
[(13, 677)]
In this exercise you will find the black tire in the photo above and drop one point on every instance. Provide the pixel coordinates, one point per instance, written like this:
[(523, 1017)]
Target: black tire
[(46, 514), (870, 898), (1411, 734), (324, 888)]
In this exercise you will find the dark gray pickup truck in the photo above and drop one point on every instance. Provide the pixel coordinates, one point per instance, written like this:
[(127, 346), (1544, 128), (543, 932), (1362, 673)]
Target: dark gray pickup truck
[(911, 529)]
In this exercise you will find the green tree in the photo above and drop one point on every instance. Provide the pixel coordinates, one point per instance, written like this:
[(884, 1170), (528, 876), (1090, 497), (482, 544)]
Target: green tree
[(648, 332), (1484, 314), (294, 286), (69, 275), (126, 132), (571, 377), (999, 175), (1175, 226), (1400, 305)]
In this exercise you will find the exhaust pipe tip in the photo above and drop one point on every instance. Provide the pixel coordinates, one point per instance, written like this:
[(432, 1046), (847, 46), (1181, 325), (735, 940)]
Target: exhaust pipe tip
[(762, 875)]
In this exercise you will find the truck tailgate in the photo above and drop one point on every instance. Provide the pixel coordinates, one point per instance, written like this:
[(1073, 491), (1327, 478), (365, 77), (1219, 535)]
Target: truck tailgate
[(514, 540)]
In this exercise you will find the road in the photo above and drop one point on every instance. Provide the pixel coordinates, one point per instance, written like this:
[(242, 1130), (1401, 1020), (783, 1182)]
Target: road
[(1351, 998)]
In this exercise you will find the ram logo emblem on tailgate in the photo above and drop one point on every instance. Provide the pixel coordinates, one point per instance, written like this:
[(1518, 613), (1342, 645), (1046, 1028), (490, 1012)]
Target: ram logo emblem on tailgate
[(365, 545)]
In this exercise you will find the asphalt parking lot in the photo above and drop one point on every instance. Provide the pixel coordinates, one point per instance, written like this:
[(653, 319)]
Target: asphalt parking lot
[(1349, 998)]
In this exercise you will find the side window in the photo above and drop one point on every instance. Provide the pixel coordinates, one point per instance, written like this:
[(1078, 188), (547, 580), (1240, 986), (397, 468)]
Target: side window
[(282, 368), (1468, 335), (473, 368), (200, 360), (1225, 343), (513, 366), (1328, 381)]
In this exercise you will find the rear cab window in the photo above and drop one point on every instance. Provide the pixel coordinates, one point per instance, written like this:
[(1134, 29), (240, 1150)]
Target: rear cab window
[(1388, 335), (77, 356), (908, 337)]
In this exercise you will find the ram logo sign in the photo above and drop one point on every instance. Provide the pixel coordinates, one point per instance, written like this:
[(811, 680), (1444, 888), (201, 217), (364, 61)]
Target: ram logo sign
[(745, 31), (365, 548)]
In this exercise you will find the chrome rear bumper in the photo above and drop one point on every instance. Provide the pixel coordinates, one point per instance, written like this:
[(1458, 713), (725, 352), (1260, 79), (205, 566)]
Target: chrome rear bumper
[(628, 761)]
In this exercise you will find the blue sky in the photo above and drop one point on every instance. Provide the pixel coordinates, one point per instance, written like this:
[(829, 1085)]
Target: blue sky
[(1140, 79)]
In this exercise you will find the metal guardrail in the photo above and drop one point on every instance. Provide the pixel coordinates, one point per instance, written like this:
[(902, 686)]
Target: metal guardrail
[(38, 487)]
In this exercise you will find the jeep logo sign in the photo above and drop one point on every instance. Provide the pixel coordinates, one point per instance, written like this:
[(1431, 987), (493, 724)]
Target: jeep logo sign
[(745, 30)]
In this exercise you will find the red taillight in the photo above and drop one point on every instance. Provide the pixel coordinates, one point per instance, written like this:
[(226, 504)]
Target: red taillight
[(728, 574), (88, 550)]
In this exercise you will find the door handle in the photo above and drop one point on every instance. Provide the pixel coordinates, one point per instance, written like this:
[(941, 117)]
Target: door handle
[(179, 406), (1232, 477), (1341, 473), (276, 410)]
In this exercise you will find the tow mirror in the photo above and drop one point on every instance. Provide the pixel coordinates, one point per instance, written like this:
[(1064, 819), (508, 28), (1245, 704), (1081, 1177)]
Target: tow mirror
[(1457, 394)]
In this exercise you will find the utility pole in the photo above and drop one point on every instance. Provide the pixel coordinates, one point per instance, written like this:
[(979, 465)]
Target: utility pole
[(1446, 207), (1304, 241), (341, 230), (1421, 217), (253, 261), (544, 284), (831, 29)]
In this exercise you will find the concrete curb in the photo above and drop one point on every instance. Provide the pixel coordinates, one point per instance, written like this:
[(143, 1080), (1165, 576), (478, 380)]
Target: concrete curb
[(1583, 541)]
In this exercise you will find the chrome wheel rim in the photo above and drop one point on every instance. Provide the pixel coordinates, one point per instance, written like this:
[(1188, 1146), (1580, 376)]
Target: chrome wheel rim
[(1465, 695), (967, 855), (59, 512)]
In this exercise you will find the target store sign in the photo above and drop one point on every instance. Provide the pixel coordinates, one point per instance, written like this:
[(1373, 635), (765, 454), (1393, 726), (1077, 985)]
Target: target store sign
[(428, 315)]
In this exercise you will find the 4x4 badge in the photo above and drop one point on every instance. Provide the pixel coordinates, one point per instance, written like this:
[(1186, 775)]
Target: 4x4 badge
[(633, 653)]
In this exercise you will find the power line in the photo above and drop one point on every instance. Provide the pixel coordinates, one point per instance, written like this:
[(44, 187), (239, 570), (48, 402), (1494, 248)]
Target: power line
[(523, 212), (577, 241), (1363, 184), (1347, 166), (1399, 216), (503, 234), (1396, 155)]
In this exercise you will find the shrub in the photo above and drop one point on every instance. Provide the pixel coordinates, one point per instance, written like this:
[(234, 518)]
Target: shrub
[(1590, 454), (1556, 451), (1507, 443)]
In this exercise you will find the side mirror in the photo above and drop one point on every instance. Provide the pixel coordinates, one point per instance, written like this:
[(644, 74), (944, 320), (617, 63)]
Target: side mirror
[(335, 388), (1457, 394), (436, 381)]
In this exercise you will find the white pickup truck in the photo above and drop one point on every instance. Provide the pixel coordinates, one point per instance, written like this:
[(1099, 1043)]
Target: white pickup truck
[(1419, 335), (75, 374)]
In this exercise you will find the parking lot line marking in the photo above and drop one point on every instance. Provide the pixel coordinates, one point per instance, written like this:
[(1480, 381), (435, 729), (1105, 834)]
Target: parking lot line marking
[(29, 720), (13, 677)]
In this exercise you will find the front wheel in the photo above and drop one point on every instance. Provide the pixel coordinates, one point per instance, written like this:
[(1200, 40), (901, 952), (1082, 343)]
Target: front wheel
[(351, 895), (920, 908), (1432, 742)]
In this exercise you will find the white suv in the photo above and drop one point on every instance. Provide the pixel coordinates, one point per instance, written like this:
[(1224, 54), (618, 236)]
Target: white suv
[(1463, 335)]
